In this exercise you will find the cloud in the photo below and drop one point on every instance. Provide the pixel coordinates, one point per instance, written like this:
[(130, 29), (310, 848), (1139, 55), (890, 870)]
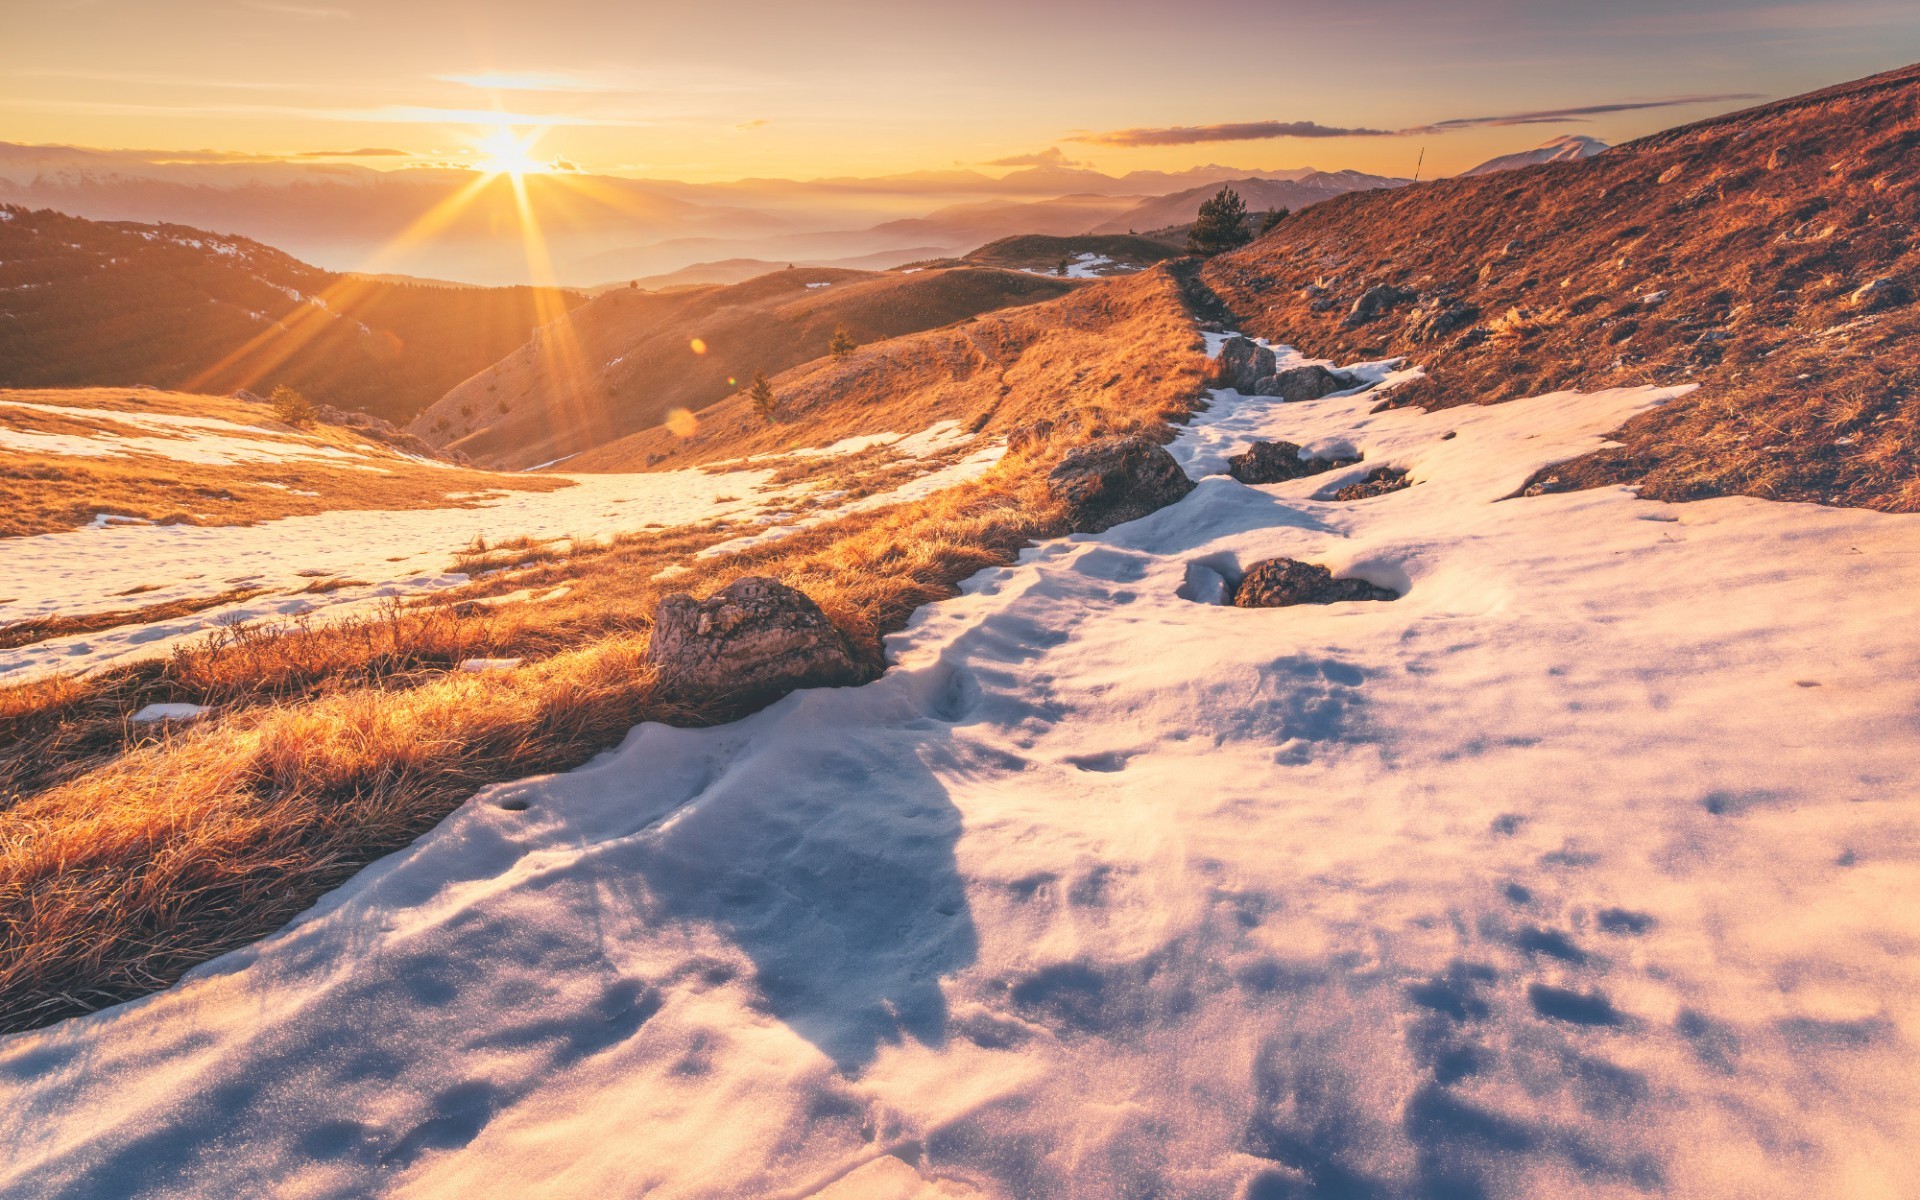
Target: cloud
[(1050, 157), (1240, 131), (1553, 115), (756, 123), (287, 8), (527, 81), (365, 152), (1257, 131)]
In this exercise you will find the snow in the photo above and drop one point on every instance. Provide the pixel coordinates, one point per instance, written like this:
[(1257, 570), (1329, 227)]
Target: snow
[(207, 441), (1086, 266), (169, 712), (478, 666), (1584, 869), (396, 554)]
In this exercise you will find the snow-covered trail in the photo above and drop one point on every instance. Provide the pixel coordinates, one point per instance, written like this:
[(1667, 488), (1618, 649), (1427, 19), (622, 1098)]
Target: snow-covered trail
[(1584, 869)]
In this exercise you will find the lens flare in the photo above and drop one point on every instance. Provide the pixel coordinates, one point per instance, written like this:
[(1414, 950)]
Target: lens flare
[(682, 423), (697, 346)]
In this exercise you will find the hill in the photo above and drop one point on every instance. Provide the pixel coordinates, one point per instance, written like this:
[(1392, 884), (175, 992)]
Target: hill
[(625, 360), (1561, 149), (1766, 255), (87, 303), (1261, 195), (1095, 254)]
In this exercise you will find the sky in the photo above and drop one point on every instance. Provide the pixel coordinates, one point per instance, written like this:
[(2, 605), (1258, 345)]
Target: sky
[(860, 87)]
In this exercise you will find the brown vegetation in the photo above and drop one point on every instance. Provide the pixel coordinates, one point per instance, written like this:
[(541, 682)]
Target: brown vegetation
[(128, 856), (47, 493), (627, 359), (1731, 253)]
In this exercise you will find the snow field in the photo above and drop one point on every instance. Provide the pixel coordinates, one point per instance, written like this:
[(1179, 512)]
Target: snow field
[(1583, 869)]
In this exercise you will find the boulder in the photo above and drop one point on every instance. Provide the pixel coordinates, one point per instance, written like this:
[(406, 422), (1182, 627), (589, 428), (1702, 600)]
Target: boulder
[(1242, 364), (1876, 294), (754, 640), (1441, 318), (1115, 480), (249, 397), (1281, 582), (1277, 462), (1376, 300), (1303, 383), (1378, 482)]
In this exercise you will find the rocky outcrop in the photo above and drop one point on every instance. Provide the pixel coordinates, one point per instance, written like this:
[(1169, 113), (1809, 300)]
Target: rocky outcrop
[(1282, 582), (1378, 482), (1376, 300), (1242, 364), (1116, 480), (1876, 294), (753, 641), (1436, 320), (1304, 383), (1277, 462), (1252, 370)]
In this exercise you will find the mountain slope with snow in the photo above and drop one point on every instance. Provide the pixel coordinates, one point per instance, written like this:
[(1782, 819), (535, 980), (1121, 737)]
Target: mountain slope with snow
[(1547, 878), (1569, 148)]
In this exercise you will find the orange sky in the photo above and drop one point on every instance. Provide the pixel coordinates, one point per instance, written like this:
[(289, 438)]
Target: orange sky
[(722, 91)]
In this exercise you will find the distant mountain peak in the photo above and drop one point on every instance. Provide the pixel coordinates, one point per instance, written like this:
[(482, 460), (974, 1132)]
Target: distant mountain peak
[(1570, 147)]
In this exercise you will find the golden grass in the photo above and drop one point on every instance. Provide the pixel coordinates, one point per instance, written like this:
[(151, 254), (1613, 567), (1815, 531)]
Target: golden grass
[(40, 629), (127, 856), (48, 493)]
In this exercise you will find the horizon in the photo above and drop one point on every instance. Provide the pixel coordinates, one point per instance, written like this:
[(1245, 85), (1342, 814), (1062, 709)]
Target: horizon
[(491, 87)]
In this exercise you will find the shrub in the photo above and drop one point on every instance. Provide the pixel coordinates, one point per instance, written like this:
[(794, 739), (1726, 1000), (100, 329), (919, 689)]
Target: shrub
[(291, 407), (1274, 218), (841, 343)]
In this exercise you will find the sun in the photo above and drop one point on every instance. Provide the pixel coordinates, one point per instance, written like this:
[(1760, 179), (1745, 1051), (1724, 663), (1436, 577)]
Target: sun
[(510, 153)]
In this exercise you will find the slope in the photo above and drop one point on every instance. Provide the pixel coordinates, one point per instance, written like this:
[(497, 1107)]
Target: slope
[(84, 303), (1767, 255), (1261, 195), (627, 359)]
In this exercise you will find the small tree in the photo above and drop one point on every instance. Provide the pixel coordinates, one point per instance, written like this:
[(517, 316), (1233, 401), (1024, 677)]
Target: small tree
[(1221, 225), (1274, 218), (841, 343), (291, 407), (1060, 268), (760, 392)]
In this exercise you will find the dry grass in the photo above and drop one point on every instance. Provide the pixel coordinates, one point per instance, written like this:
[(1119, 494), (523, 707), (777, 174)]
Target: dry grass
[(40, 629), (48, 493), (1725, 253), (128, 856)]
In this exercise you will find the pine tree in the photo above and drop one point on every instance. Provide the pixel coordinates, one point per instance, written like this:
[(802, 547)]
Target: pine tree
[(1274, 218), (841, 343), (1221, 225), (760, 392), (291, 407)]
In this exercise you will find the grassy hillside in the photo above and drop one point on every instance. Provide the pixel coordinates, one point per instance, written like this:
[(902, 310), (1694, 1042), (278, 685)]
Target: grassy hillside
[(1767, 255), (1039, 252), (625, 360), (133, 856), (87, 303)]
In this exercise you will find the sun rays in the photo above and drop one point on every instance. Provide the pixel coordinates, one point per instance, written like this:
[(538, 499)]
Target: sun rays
[(507, 159)]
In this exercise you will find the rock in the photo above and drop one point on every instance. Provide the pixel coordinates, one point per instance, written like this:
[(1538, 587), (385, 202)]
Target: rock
[(1877, 294), (1243, 363), (1441, 318), (1323, 304), (1380, 298), (1303, 383), (1282, 582), (1116, 480), (1277, 462), (754, 640), (249, 397), (1378, 482)]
